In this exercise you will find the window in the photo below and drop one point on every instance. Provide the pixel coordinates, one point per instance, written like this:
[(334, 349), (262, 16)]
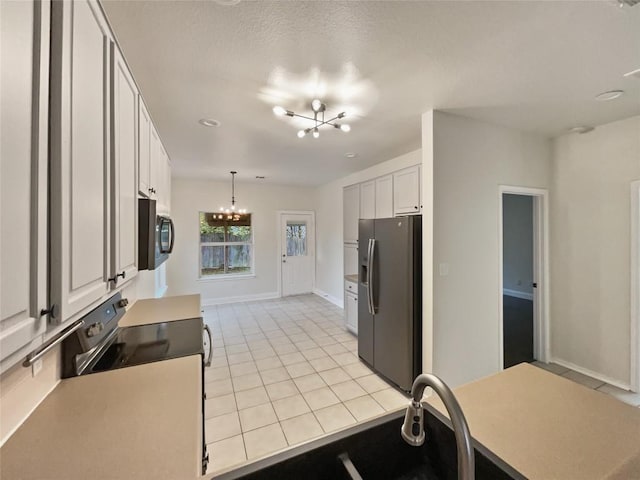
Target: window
[(226, 244), (296, 239)]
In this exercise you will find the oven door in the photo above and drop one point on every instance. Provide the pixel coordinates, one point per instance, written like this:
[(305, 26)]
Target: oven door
[(165, 238)]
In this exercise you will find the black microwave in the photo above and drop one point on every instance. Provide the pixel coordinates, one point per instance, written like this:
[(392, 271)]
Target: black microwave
[(156, 236)]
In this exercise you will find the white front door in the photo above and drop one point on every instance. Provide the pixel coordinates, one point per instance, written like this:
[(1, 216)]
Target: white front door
[(297, 253)]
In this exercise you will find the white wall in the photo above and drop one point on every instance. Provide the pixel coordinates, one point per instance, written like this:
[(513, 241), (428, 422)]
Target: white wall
[(328, 202), (590, 247), (470, 160), (517, 245), (189, 197)]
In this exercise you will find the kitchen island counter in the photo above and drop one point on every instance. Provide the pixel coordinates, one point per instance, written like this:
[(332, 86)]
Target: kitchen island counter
[(548, 427)]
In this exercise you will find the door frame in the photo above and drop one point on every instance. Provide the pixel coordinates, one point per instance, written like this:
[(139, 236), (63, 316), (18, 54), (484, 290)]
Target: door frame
[(313, 237), (541, 324), (635, 287)]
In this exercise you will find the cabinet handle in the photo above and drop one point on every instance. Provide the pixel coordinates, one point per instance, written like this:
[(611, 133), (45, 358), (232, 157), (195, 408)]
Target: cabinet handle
[(52, 311), (415, 208), (114, 279), (210, 356)]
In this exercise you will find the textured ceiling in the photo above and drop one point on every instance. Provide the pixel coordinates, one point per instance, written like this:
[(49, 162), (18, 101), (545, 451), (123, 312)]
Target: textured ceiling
[(535, 66)]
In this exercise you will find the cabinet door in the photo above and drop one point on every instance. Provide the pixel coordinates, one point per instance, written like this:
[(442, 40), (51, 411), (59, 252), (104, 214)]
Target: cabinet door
[(167, 185), (351, 213), (79, 156), (350, 259), (154, 163), (384, 197), (368, 199), (351, 312), (124, 198), (161, 180), (144, 148), (24, 99), (406, 191)]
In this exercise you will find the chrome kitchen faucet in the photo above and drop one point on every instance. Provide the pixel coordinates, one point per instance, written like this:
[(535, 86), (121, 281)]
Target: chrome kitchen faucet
[(413, 426)]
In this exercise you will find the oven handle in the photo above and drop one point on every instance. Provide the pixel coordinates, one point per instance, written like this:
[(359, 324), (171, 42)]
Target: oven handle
[(210, 357), (36, 355)]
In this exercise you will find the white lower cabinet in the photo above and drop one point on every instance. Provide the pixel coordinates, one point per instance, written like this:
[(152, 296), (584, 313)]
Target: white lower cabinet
[(351, 311)]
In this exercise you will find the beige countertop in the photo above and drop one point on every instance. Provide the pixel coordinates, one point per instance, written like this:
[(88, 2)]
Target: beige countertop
[(351, 278), (548, 427), (166, 309), (141, 422)]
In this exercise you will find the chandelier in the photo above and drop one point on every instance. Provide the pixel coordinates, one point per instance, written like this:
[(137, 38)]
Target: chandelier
[(318, 119), (231, 213)]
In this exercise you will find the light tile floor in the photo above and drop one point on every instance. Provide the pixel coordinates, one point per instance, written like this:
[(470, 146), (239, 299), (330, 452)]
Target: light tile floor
[(625, 396), (284, 372)]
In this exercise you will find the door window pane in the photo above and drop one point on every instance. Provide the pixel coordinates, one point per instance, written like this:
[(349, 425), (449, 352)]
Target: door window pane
[(296, 239)]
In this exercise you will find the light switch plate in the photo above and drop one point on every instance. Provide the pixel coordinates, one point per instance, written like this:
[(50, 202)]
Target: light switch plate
[(444, 269), (36, 367)]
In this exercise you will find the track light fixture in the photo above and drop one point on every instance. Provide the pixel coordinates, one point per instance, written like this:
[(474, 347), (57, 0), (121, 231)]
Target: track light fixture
[(318, 119)]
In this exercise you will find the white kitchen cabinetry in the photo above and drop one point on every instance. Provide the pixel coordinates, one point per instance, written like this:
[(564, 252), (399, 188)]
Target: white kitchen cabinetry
[(351, 203), (406, 191), (351, 311), (384, 197), (24, 96), (80, 178), (368, 199), (163, 180), (144, 148), (124, 192), (350, 259)]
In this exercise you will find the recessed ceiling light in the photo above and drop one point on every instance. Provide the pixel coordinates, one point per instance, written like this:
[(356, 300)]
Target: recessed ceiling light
[(610, 95), (351, 155), (209, 122), (581, 129), (634, 73), (260, 177), (227, 3)]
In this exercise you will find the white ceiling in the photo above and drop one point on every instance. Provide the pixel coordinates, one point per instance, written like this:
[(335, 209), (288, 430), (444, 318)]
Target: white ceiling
[(535, 66)]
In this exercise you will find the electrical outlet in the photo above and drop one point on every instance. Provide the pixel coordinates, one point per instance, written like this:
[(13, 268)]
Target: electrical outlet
[(444, 269), (36, 368)]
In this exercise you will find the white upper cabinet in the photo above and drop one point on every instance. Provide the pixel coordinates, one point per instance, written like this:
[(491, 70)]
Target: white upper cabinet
[(351, 213), (24, 36), (368, 199), (144, 148), (406, 191), (80, 131), (163, 180), (384, 197), (124, 192)]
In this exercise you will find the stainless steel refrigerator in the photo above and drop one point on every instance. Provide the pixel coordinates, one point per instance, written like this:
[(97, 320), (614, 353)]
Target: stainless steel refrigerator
[(390, 297)]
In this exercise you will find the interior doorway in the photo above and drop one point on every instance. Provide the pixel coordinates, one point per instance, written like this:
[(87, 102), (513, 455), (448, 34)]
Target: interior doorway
[(523, 275), (297, 252)]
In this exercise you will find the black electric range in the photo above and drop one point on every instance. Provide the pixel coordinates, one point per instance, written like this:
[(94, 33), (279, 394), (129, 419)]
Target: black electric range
[(101, 345)]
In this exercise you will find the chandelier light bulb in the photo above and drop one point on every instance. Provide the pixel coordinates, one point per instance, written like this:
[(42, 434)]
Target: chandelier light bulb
[(301, 134), (316, 133), (342, 114), (279, 111), (316, 105), (345, 128)]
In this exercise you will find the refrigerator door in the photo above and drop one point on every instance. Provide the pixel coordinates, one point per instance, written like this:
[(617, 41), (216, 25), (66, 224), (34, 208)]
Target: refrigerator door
[(393, 287), (366, 233)]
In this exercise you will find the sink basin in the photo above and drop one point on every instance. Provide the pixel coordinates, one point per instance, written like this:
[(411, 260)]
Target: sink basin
[(378, 452)]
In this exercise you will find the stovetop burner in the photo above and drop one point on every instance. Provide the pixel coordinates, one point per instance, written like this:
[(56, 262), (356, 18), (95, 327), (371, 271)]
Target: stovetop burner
[(98, 348)]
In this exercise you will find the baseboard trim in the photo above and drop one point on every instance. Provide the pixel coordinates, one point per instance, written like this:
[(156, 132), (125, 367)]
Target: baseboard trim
[(517, 294), (591, 373), (208, 302), (331, 298)]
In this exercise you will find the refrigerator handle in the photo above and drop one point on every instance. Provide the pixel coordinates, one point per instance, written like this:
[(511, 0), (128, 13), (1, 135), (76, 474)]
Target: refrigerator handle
[(370, 254)]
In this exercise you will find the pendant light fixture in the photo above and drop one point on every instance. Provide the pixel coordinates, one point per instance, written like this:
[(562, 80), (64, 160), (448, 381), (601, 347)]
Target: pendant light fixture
[(231, 212), (318, 120)]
